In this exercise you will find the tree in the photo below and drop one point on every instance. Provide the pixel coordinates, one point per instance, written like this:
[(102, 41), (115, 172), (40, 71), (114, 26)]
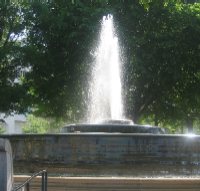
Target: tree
[(11, 27), (59, 39), (161, 61), (189, 55)]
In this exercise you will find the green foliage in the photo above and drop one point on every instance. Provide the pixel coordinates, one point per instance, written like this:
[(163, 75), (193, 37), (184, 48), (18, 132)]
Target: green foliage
[(164, 55), (58, 41), (2, 129), (35, 125), (11, 28), (41, 125)]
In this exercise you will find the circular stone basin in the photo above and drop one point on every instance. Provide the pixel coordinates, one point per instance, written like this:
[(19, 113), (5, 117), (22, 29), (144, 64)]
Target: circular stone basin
[(112, 126)]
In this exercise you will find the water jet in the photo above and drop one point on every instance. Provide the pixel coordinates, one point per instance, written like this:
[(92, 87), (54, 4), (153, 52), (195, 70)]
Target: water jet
[(106, 87)]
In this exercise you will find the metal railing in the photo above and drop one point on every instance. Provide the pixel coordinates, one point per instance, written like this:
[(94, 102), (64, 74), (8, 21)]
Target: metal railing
[(26, 184)]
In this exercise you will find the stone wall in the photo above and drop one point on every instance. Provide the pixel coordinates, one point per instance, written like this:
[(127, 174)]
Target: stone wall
[(106, 154)]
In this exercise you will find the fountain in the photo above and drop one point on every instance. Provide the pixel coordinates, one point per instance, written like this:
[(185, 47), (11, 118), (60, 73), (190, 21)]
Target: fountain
[(108, 145), (105, 108)]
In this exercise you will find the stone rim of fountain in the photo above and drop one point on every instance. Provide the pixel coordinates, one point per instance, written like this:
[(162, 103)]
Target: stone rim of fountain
[(112, 126)]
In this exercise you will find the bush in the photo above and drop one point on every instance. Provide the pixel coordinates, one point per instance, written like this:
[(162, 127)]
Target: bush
[(41, 125)]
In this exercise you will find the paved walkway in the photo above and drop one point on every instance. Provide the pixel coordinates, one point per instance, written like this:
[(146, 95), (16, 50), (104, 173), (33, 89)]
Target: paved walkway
[(115, 184)]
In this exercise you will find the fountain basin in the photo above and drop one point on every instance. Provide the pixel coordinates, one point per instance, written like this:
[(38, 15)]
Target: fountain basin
[(113, 127), (107, 154)]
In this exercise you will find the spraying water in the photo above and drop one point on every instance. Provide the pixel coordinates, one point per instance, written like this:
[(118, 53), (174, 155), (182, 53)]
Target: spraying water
[(105, 88)]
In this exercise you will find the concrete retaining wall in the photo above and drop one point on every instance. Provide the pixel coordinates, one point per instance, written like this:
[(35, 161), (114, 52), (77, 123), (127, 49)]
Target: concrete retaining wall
[(106, 154)]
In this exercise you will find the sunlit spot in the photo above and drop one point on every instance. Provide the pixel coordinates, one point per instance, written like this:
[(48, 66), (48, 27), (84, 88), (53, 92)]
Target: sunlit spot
[(191, 135)]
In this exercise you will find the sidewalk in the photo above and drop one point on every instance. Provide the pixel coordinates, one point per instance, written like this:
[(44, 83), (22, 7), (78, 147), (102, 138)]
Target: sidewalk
[(114, 184)]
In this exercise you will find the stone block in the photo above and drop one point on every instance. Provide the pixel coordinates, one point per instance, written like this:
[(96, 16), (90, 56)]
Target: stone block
[(6, 165)]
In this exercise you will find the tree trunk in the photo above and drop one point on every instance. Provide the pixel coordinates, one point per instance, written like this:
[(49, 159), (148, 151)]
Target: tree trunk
[(155, 120), (135, 117), (189, 125)]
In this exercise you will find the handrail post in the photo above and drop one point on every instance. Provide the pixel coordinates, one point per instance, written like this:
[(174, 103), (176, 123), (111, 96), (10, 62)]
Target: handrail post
[(45, 181), (27, 186)]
